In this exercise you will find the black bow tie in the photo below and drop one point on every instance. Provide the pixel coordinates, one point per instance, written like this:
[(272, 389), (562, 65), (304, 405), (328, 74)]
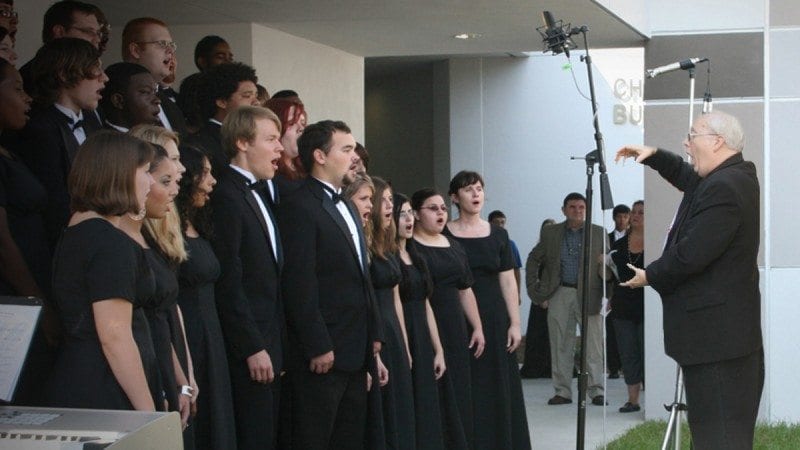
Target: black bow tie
[(78, 124), (334, 196), (259, 185)]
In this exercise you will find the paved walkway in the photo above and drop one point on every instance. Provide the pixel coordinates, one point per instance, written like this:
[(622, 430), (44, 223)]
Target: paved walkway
[(555, 427)]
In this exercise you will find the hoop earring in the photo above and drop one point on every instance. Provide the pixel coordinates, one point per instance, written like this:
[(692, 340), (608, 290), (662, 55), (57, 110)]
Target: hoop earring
[(140, 216)]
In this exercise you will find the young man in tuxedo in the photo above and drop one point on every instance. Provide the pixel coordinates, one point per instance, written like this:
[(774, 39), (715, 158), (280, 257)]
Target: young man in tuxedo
[(147, 41), (68, 78), (248, 294), (224, 88), (69, 19), (209, 52), (332, 324), (129, 98)]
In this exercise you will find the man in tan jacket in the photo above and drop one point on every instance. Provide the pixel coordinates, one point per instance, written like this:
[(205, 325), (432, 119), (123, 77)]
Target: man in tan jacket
[(553, 276)]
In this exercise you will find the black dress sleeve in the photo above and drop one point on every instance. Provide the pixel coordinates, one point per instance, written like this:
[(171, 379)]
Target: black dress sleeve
[(506, 252), (111, 271), (465, 280)]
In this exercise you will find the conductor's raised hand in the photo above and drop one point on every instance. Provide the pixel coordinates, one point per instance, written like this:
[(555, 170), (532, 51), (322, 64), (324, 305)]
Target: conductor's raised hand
[(638, 152)]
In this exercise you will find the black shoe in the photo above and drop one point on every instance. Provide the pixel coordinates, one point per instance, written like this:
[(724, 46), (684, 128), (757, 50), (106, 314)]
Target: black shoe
[(629, 407), (599, 400), (613, 375), (559, 400)]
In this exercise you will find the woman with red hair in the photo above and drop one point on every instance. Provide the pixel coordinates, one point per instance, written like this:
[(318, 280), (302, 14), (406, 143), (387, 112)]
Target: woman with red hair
[(293, 118)]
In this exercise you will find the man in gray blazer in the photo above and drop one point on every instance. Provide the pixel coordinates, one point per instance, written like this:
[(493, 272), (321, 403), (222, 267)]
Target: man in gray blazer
[(554, 277)]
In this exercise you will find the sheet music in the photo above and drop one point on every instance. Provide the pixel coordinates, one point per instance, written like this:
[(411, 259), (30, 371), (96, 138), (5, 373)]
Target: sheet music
[(17, 323)]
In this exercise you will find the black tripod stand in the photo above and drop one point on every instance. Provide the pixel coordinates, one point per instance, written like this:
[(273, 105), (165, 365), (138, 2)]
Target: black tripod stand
[(557, 39)]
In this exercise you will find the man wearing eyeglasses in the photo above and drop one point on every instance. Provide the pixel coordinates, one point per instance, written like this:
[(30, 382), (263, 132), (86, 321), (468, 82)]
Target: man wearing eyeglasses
[(69, 19), (148, 42), (9, 18), (554, 278), (707, 277)]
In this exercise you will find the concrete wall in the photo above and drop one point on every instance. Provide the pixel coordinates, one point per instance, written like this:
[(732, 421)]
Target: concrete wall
[(330, 81)]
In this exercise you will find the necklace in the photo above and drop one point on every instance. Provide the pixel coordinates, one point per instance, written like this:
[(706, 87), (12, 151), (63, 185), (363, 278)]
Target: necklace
[(633, 260)]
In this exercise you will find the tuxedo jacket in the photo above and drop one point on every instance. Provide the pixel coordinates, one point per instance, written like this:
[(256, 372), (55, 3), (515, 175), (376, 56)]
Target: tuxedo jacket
[(708, 274), (173, 113), (48, 147), (545, 259), (248, 291), (328, 293)]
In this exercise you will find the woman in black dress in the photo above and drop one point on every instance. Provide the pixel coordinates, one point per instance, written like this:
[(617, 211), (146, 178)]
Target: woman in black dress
[(500, 420), (159, 307), (24, 254), (360, 192), (25, 261), (429, 367), (628, 305), (452, 300), (214, 422), (398, 394), (106, 359)]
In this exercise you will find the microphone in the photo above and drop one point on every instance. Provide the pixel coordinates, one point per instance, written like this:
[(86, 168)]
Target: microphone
[(554, 36), (680, 65)]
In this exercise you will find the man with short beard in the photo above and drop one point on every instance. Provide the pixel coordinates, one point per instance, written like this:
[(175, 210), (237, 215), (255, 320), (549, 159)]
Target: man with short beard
[(332, 322)]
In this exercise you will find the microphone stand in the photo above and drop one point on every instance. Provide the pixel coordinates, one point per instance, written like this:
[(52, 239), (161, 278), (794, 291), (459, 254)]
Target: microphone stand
[(558, 43), (596, 156), (678, 407)]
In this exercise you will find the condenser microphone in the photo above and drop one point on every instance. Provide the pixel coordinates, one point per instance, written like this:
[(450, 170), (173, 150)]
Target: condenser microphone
[(553, 34), (686, 64)]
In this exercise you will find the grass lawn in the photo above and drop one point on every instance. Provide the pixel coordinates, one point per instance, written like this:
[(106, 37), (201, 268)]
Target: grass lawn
[(650, 434)]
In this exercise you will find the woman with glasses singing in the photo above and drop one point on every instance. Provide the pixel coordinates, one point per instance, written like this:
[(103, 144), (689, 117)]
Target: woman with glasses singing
[(430, 385), (453, 301), (500, 420)]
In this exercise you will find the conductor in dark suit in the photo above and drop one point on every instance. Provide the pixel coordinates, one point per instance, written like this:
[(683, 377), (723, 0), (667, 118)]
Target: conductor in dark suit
[(329, 306), (707, 277), (247, 244)]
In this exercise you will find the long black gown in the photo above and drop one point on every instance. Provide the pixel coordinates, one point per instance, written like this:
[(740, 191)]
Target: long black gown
[(157, 311), (429, 406), (500, 419), (398, 394), (95, 261), (449, 269), (214, 426), (24, 200), (162, 314)]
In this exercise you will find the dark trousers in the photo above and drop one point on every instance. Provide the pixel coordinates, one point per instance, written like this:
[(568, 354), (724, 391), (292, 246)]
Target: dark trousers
[(630, 341), (537, 345), (328, 411), (723, 399), (255, 407), (613, 352)]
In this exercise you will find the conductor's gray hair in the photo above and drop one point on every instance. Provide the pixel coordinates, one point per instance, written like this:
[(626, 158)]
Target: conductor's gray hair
[(728, 127)]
